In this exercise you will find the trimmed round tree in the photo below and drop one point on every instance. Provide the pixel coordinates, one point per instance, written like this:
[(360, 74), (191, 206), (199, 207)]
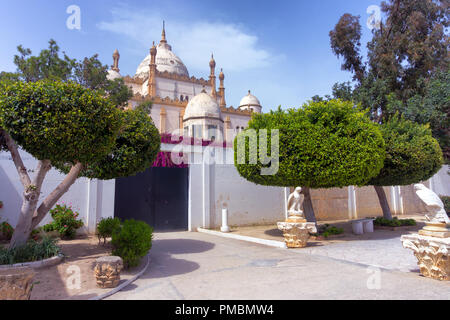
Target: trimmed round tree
[(412, 156), (135, 149), (61, 123), (324, 144)]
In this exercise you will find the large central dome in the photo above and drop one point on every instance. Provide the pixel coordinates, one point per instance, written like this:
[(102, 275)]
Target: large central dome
[(166, 60)]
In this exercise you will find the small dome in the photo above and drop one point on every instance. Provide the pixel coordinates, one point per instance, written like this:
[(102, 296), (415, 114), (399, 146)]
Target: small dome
[(166, 60), (249, 101), (112, 74), (201, 106)]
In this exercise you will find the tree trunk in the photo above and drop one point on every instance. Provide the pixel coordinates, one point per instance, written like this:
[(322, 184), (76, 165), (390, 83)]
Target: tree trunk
[(383, 202), (29, 203), (56, 194), (307, 205)]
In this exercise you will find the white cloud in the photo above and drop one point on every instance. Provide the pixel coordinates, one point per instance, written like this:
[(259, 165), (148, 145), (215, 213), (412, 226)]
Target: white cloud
[(192, 41)]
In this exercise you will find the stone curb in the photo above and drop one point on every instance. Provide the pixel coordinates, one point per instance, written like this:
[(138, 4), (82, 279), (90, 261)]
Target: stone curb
[(37, 264), (123, 285), (270, 243)]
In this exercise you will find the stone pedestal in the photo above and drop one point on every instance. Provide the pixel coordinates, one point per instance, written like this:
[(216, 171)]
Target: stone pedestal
[(296, 232), (16, 283), (432, 253), (107, 271)]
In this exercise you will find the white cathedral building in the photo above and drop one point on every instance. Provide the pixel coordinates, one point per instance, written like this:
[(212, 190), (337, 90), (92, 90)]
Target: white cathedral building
[(183, 104)]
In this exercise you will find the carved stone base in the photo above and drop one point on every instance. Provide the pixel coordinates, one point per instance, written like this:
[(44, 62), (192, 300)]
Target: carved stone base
[(16, 283), (296, 234), (107, 271), (438, 230), (432, 253)]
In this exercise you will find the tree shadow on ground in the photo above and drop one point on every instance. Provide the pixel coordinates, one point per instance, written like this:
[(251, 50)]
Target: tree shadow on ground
[(163, 264)]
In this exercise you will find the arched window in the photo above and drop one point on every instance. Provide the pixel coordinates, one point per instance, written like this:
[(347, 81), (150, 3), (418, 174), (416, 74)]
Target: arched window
[(181, 98), (187, 98)]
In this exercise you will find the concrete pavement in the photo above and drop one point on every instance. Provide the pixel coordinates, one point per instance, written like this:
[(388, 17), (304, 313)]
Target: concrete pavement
[(200, 266)]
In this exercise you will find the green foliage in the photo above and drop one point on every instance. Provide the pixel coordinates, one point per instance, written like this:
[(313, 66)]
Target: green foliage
[(47, 65), (145, 106), (132, 242), (31, 251), (106, 227), (49, 227), (328, 230), (6, 230), (412, 154), (446, 201), (322, 145), (62, 122), (407, 69), (430, 107), (65, 221), (395, 222), (136, 147)]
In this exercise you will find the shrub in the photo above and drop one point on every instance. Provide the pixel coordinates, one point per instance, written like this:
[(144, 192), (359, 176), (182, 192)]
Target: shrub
[(49, 227), (65, 221), (446, 201), (106, 227), (331, 230), (132, 241), (412, 154), (31, 251), (395, 222), (6, 230)]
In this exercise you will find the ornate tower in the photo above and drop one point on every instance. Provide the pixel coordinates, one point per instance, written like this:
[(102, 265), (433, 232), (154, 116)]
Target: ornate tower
[(152, 76), (116, 57), (222, 102), (212, 77)]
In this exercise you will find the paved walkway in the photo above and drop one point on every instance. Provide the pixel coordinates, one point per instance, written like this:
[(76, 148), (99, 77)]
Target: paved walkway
[(199, 266)]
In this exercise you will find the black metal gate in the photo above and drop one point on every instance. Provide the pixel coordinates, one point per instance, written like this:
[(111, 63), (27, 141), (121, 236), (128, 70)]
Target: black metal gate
[(158, 196)]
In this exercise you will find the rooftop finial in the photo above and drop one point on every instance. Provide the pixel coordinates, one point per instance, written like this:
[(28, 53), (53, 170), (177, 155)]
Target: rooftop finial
[(163, 35)]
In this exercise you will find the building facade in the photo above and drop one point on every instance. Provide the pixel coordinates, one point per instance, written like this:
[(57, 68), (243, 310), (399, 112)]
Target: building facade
[(183, 104)]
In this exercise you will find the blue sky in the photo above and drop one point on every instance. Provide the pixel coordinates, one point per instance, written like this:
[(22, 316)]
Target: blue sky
[(278, 49)]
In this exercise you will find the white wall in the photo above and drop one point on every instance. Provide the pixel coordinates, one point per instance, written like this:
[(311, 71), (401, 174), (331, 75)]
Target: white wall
[(93, 199), (247, 203)]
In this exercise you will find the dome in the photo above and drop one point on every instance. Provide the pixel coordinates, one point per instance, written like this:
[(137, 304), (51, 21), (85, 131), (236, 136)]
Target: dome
[(249, 101), (202, 106), (113, 74), (166, 60)]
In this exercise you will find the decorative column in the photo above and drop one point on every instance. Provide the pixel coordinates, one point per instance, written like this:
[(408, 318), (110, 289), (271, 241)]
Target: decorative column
[(227, 129), (152, 75), (107, 271), (296, 229), (162, 120), (212, 77), (222, 102), (431, 245), (116, 57)]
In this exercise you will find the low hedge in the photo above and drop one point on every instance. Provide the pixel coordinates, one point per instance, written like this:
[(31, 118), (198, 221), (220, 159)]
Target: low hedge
[(106, 228), (395, 222), (132, 241)]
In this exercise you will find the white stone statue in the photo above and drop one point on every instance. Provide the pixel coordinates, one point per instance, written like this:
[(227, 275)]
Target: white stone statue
[(433, 204), (295, 203)]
